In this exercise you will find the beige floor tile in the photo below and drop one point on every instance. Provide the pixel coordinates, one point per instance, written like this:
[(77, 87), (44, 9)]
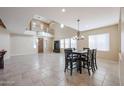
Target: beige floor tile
[(48, 70)]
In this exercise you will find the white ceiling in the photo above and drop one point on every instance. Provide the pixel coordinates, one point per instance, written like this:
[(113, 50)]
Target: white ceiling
[(16, 19)]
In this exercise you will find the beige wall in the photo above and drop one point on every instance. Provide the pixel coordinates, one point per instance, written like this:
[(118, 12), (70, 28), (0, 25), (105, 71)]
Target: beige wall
[(112, 54), (122, 31), (61, 33), (122, 48), (114, 39)]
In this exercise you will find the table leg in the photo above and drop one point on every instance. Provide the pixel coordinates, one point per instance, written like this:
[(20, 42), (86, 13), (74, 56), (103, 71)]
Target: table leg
[(80, 64), (1, 63)]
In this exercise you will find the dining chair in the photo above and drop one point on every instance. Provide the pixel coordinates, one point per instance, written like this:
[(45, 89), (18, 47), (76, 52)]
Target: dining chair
[(70, 61), (2, 53), (94, 58), (88, 61), (86, 48)]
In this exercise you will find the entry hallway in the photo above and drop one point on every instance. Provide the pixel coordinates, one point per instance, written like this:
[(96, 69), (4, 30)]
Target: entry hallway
[(48, 70)]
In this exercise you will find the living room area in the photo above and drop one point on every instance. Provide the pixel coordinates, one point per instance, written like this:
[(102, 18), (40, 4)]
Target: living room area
[(33, 43)]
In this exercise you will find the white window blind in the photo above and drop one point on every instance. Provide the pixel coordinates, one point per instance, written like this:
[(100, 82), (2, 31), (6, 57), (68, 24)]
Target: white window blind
[(99, 42), (73, 43), (67, 43)]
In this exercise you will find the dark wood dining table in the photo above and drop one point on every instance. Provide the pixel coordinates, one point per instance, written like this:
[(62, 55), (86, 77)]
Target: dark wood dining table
[(80, 53)]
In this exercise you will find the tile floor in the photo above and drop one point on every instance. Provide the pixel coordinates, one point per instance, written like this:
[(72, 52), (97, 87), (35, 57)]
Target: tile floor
[(48, 70)]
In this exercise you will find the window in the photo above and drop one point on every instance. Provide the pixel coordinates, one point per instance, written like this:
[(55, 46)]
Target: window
[(67, 43), (62, 43), (100, 42), (73, 43)]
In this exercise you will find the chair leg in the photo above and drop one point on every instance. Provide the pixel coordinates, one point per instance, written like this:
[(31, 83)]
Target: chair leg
[(92, 67), (66, 66), (95, 64), (80, 67), (71, 67), (83, 65), (88, 65), (89, 72), (65, 69), (77, 67)]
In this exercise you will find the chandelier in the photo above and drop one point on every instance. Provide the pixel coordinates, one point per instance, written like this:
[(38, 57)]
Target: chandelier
[(78, 36)]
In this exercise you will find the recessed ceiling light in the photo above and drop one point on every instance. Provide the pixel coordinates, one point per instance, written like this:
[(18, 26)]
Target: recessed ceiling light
[(62, 25), (86, 26), (63, 10)]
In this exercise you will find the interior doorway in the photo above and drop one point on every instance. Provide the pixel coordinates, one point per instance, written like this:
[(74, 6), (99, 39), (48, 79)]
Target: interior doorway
[(40, 45)]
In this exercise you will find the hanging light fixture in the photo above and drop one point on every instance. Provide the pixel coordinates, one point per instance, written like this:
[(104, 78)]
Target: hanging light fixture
[(78, 36)]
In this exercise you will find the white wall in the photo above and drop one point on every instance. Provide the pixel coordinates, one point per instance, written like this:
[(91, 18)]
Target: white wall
[(5, 41), (22, 45), (16, 44)]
